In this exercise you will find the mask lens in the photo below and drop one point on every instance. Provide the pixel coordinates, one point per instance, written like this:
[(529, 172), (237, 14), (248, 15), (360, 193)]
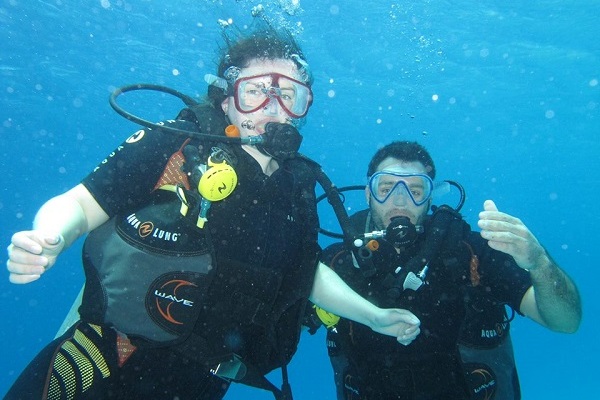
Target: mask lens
[(294, 96), (251, 93), (255, 92), (418, 187)]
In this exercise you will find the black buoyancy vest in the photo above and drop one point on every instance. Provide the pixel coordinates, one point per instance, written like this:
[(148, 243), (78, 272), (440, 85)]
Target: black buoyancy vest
[(267, 306), (151, 273), (147, 271), (448, 268), (146, 276), (379, 371), (479, 357)]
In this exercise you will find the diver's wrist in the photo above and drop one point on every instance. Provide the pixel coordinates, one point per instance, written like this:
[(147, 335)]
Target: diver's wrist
[(542, 262)]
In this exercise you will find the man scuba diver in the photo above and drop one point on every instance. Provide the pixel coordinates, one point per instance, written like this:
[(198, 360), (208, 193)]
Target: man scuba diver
[(456, 281)]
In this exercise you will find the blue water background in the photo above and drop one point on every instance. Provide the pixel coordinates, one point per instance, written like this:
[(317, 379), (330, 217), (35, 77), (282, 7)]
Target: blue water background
[(516, 120)]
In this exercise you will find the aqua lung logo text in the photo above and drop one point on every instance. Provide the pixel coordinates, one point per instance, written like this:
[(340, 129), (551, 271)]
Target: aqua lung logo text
[(111, 155), (492, 333), (168, 300), (147, 228)]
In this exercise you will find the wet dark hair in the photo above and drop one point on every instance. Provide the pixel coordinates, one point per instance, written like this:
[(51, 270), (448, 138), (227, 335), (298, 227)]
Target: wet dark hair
[(265, 43), (403, 151)]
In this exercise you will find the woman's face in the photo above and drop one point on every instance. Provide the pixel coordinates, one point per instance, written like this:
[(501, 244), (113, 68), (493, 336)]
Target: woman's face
[(253, 123)]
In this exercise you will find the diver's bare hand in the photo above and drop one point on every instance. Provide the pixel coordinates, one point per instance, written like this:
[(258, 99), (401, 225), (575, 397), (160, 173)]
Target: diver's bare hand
[(402, 324), (31, 253), (509, 235)]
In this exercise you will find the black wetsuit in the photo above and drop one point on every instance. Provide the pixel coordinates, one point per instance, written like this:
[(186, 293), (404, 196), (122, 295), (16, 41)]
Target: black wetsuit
[(372, 366), (263, 240)]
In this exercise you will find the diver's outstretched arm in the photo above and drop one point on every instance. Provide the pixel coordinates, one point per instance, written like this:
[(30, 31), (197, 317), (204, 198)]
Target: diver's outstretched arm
[(58, 223), (331, 293), (553, 300)]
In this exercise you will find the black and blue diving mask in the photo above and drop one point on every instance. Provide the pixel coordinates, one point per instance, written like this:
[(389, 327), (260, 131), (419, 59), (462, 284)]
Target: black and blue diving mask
[(388, 184)]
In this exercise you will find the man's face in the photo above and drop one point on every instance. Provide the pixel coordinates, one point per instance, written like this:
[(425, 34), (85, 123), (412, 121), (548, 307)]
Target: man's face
[(399, 202)]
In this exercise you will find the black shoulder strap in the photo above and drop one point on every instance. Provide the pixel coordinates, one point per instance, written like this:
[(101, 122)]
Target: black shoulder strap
[(208, 120)]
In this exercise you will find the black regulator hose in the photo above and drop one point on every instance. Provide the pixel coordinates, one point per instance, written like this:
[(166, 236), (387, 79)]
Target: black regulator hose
[(463, 195), (187, 100), (336, 199)]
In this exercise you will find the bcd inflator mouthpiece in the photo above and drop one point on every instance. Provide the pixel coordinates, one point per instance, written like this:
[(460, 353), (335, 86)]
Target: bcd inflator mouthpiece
[(403, 279), (415, 281)]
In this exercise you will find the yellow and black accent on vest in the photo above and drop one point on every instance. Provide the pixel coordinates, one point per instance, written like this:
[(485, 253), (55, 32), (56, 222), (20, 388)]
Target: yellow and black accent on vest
[(78, 362)]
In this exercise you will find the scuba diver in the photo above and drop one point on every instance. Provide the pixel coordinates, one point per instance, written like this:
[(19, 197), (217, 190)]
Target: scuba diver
[(455, 280), (201, 249)]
